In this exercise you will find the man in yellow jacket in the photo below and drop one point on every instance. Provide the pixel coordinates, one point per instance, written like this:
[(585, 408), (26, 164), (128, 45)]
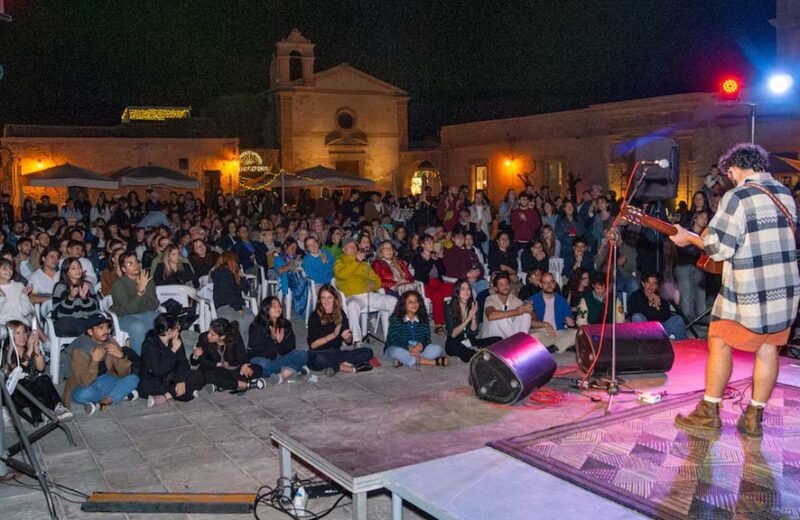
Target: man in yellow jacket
[(358, 281)]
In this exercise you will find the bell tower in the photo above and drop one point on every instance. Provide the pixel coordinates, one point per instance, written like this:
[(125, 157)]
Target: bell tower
[(293, 62)]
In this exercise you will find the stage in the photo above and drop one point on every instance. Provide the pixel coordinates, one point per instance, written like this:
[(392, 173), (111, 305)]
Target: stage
[(421, 434)]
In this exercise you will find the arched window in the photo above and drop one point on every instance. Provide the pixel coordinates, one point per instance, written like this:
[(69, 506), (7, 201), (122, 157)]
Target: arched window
[(295, 66)]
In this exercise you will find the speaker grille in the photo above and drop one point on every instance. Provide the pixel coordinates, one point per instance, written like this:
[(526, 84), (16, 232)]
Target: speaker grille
[(493, 380)]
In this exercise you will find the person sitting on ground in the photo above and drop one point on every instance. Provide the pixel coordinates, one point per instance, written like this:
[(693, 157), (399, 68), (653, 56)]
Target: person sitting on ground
[(43, 280), (221, 357), (592, 305), (74, 300), (134, 300), (504, 313), (535, 257), (165, 372), (502, 258), (14, 302), (102, 371), (328, 329), (461, 318), (578, 258), (460, 262), (646, 304), (359, 283), (317, 263), (272, 344), (556, 326), (172, 270), (228, 300), (533, 284), (393, 272), (578, 285), (409, 339), (24, 350)]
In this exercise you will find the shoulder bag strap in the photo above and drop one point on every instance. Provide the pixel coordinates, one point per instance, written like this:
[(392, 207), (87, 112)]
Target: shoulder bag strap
[(777, 203)]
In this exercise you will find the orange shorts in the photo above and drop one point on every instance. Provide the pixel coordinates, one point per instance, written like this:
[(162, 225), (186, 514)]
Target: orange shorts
[(742, 338)]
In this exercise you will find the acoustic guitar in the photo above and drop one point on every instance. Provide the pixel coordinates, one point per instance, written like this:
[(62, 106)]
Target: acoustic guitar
[(635, 215)]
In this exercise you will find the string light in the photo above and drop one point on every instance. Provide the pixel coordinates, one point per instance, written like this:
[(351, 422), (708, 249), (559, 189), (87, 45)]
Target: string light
[(262, 182), (155, 113)]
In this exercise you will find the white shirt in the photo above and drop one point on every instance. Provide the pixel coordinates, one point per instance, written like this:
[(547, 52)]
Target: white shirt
[(41, 283), (550, 312)]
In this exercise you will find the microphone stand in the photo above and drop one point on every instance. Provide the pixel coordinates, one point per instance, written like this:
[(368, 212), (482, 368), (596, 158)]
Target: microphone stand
[(612, 388)]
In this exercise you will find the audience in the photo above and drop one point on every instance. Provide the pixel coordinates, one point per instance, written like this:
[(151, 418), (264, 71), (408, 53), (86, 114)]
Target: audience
[(134, 300), (408, 341), (646, 304), (272, 344), (220, 357), (462, 324)]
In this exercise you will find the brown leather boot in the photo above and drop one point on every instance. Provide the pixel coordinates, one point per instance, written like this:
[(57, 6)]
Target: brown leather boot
[(704, 417), (749, 424)]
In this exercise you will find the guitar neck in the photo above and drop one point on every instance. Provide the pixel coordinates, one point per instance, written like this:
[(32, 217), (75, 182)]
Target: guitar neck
[(658, 225)]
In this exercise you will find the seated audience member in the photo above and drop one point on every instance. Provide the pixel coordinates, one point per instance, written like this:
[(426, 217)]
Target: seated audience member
[(593, 303), (328, 329), (409, 339), (14, 302), (228, 300), (556, 326), (646, 304), (172, 270), (318, 263), (463, 263), (461, 317), (102, 371), (165, 372), (535, 257), (43, 280), (551, 244), (533, 284), (502, 258), (272, 344), (134, 300), (22, 260), (578, 285), (77, 249), (359, 283), (469, 243), (74, 300), (24, 350), (112, 272), (393, 272), (579, 258), (201, 259), (245, 250), (334, 242), (288, 266), (504, 313), (429, 269), (221, 357)]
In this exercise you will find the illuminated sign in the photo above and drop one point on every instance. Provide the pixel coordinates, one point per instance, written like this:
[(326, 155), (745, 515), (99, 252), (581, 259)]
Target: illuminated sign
[(155, 113)]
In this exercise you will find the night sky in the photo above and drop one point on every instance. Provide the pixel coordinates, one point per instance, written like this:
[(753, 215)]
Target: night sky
[(81, 61)]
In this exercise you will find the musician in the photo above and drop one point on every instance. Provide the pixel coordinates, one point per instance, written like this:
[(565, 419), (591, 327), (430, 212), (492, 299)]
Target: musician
[(753, 233)]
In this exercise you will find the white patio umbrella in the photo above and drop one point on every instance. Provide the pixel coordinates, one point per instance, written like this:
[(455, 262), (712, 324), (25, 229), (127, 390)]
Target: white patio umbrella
[(152, 175), (68, 175)]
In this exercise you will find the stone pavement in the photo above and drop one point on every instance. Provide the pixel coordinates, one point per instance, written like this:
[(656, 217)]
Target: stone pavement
[(216, 443)]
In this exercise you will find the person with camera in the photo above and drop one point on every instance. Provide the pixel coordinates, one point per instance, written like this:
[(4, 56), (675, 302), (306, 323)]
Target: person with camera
[(165, 372), (24, 351), (74, 300), (103, 373), (135, 301), (359, 282), (221, 357)]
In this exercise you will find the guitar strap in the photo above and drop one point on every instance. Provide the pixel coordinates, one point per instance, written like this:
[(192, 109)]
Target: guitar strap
[(777, 203)]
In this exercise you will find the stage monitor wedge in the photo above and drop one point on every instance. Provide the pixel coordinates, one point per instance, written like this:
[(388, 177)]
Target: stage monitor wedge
[(659, 183)]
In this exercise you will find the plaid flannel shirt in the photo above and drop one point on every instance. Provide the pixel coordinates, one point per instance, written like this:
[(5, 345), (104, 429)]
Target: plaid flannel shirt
[(760, 283)]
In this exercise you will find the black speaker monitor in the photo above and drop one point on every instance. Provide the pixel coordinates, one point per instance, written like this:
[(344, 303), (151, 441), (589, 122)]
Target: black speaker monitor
[(641, 347), (660, 183)]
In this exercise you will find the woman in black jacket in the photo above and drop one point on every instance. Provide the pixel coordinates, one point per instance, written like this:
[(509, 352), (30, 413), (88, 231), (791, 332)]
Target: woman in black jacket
[(165, 372), (328, 329), (228, 286), (172, 270), (272, 343), (221, 358), (462, 324)]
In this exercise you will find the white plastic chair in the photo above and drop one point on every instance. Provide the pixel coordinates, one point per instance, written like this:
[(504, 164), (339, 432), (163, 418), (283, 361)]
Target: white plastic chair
[(556, 267), (187, 297), (364, 314), (105, 307), (56, 343)]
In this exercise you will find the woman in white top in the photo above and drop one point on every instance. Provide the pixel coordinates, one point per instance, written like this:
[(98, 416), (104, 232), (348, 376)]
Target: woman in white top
[(14, 302)]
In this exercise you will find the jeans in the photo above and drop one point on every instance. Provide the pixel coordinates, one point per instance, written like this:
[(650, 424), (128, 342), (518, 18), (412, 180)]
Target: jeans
[(402, 355), (117, 388), (674, 326), (137, 325), (692, 288), (295, 360), (479, 285)]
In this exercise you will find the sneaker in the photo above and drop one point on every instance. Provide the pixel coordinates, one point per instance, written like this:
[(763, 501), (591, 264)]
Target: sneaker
[(195, 394), (749, 424), (363, 367), (90, 409), (212, 389), (704, 417), (304, 371), (257, 384), (155, 400), (62, 412), (132, 396), (330, 372)]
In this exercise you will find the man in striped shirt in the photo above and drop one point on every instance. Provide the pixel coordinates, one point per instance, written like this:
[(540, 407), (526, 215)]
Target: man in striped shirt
[(753, 234)]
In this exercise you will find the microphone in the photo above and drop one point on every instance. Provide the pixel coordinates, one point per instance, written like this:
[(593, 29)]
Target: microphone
[(661, 163)]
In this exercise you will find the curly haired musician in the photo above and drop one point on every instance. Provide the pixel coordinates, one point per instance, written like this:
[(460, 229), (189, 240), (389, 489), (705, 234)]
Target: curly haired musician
[(753, 233)]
